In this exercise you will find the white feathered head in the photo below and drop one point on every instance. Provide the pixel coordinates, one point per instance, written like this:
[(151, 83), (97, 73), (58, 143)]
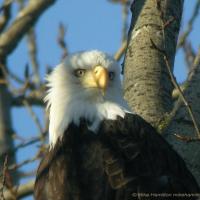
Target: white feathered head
[(86, 85)]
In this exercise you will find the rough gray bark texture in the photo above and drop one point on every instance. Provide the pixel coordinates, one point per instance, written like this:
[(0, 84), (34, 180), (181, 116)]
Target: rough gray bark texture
[(147, 84), (25, 19), (6, 132), (183, 125)]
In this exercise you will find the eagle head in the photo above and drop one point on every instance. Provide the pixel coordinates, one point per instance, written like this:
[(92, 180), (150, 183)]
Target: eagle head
[(85, 85)]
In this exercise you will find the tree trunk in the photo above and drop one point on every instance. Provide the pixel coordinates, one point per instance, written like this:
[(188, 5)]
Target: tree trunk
[(147, 84), (182, 123), (6, 131)]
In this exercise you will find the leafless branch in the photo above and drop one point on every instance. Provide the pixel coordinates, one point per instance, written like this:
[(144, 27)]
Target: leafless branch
[(27, 161), (32, 47), (4, 19), (195, 66), (15, 77), (5, 165), (4, 79), (25, 143), (186, 139), (61, 40), (120, 51), (22, 174), (32, 100), (180, 92), (23, 22), (5, 4), (190, 24), (20, 191), (175, 93), (125, 8), (33, 115), (189, 53), (35, 97)]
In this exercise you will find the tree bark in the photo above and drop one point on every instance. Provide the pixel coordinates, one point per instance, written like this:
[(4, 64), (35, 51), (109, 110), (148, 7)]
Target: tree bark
[(147, 84), (182, 123), (26, 18), (6, 131), (9, 39)]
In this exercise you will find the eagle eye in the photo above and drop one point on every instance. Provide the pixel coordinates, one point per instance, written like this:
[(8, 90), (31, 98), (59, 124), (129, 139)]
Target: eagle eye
[(111, 75), (79, 72)]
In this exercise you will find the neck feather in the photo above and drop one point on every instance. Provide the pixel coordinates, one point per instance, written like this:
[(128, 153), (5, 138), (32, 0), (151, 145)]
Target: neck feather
[(64, 111)]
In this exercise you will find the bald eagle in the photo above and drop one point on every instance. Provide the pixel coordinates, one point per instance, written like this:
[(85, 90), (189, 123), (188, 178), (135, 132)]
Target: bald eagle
[(98, 148)]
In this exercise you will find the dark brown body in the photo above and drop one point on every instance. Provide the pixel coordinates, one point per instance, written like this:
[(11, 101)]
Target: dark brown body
[(126, 160)]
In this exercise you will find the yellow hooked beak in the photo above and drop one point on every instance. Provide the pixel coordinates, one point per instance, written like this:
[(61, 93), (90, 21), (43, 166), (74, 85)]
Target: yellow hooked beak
[(97, 78), (101, 77)]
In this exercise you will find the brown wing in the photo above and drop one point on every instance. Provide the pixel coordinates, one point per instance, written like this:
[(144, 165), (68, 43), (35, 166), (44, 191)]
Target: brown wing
[(128, 158), (55, 179), (139, 161), (73, 170)]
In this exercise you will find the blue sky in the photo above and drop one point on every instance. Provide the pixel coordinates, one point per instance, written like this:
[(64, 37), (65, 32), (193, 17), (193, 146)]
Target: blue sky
[(90, 25)]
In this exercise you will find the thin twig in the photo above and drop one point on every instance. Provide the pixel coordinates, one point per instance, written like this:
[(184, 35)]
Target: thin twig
[(33, 115), (178, 88), (22, 174), (15, 77), (186, 138), (125, 8), (5, 165), (21, 191), (25, 19), (26, 143), (5, 75), (25, 162), (5, 4), (61, 40), (189, 53), (32, 47), (22, 90), (120, 51), (183, 37), (5, 17), (167, 63)]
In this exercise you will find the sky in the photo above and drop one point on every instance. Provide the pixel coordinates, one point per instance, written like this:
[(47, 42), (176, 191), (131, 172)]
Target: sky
[(90, 25)]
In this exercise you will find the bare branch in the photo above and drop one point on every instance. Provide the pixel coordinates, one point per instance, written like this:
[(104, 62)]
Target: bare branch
[(20, 191), (31, 38), (5, 165), (32, 100), (27, 161), (125, 8), (120, 51), (180, 92), (33, 115), (4, 19), (26, 143), (61, 40), (190, 24), (26, 18), (175, 93), (22, 174), (35, 97), (15, 77), (5, 4), (195, 66), (189, 53)]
